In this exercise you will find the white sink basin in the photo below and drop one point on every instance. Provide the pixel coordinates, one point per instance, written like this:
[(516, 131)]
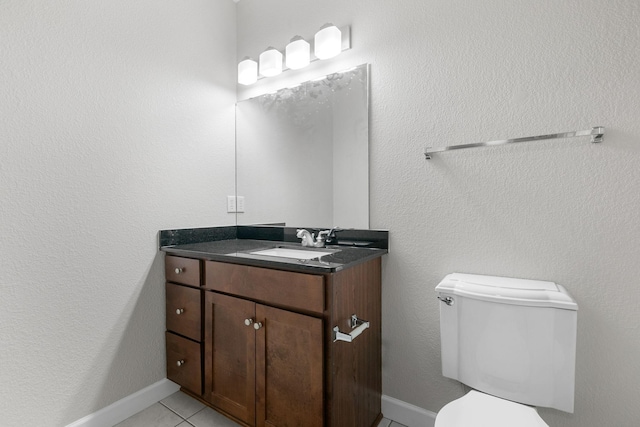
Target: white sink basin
[(292, 253)]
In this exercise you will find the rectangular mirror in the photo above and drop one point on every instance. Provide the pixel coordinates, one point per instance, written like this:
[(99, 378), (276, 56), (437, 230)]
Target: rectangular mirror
[(302, 154)]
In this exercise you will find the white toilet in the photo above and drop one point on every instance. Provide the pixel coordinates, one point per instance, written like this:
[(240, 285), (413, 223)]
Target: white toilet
[(513, 341)]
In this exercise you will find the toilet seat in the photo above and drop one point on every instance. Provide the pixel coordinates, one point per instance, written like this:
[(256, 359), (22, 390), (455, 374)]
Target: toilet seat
[(476, 409)]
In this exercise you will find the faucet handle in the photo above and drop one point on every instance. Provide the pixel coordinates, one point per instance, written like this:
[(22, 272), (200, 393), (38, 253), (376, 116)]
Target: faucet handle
[(301, 233), (307, 238), (331, 234)]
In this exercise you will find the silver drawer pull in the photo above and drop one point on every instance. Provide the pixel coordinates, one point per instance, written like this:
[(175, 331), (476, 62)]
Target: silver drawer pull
[(180, 363), (179, 311), (178, 270), (358, 326)]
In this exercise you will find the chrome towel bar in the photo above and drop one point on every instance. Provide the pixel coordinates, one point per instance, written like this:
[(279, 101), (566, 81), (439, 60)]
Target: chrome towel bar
[(597, 135), (358, 326)]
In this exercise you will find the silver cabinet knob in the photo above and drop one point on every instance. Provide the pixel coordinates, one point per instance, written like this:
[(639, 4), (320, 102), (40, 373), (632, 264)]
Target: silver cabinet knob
[(178, 270), (248, 322), (180, 362), (180, 311), (257, 325)]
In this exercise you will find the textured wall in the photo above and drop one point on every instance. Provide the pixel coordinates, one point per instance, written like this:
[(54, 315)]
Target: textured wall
[(117, 121), (451, 72)]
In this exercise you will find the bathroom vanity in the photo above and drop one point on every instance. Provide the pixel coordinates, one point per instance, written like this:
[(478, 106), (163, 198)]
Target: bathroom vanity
[(275, 341), (285, 336)]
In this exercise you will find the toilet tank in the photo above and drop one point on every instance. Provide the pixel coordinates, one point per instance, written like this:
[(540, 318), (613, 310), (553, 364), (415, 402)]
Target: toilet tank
[(511, 338)]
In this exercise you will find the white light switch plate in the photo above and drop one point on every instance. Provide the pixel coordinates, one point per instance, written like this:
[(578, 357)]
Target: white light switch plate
[(231, 204)]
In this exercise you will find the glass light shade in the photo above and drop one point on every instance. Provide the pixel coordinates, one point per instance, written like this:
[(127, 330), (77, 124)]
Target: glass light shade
[(270, 62), (247, 72), (297, 53), (327, 42)]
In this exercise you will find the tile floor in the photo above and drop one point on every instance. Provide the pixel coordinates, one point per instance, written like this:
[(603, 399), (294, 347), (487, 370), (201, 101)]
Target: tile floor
[(180, 410)]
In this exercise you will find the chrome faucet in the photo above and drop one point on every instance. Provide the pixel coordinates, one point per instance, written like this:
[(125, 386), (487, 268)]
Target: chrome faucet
[(309, 239)]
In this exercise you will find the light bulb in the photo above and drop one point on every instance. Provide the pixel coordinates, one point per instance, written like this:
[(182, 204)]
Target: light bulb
[(327, 42), (247, 71), (270, 62), (297, 53)]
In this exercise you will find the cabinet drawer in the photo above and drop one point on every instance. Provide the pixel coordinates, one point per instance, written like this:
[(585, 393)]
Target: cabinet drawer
[(280, 288), (182, 270), (184, 362), (184, 311)]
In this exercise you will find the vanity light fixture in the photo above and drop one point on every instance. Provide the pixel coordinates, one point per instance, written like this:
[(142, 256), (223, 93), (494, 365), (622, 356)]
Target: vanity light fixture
[(297, 53), (247, 71), (270, 62), (328, 42)]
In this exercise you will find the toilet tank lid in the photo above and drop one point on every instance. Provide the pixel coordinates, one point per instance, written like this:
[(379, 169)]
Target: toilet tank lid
[(507, 290)]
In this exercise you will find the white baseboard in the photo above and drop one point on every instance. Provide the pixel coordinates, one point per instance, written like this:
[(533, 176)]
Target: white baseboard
[(407, 414), (393, 409), (128, 406)]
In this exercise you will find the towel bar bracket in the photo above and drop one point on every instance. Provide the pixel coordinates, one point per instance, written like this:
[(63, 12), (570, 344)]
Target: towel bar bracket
[(597, 134)]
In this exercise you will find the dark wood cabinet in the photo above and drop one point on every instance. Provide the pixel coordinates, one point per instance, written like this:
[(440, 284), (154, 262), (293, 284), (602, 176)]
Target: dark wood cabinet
[(266, 340), (263, 365), (184, 322)]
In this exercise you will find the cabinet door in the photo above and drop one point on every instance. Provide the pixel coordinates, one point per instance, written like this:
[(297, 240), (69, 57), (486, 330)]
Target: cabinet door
[(230, 355), (289, 381)]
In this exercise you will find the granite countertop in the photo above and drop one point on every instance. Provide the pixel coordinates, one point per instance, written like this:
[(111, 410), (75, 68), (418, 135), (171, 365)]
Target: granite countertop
[(237, 251)]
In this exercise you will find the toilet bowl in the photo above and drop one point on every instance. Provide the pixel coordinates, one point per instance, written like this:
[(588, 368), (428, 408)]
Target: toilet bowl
[(476, 409)]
